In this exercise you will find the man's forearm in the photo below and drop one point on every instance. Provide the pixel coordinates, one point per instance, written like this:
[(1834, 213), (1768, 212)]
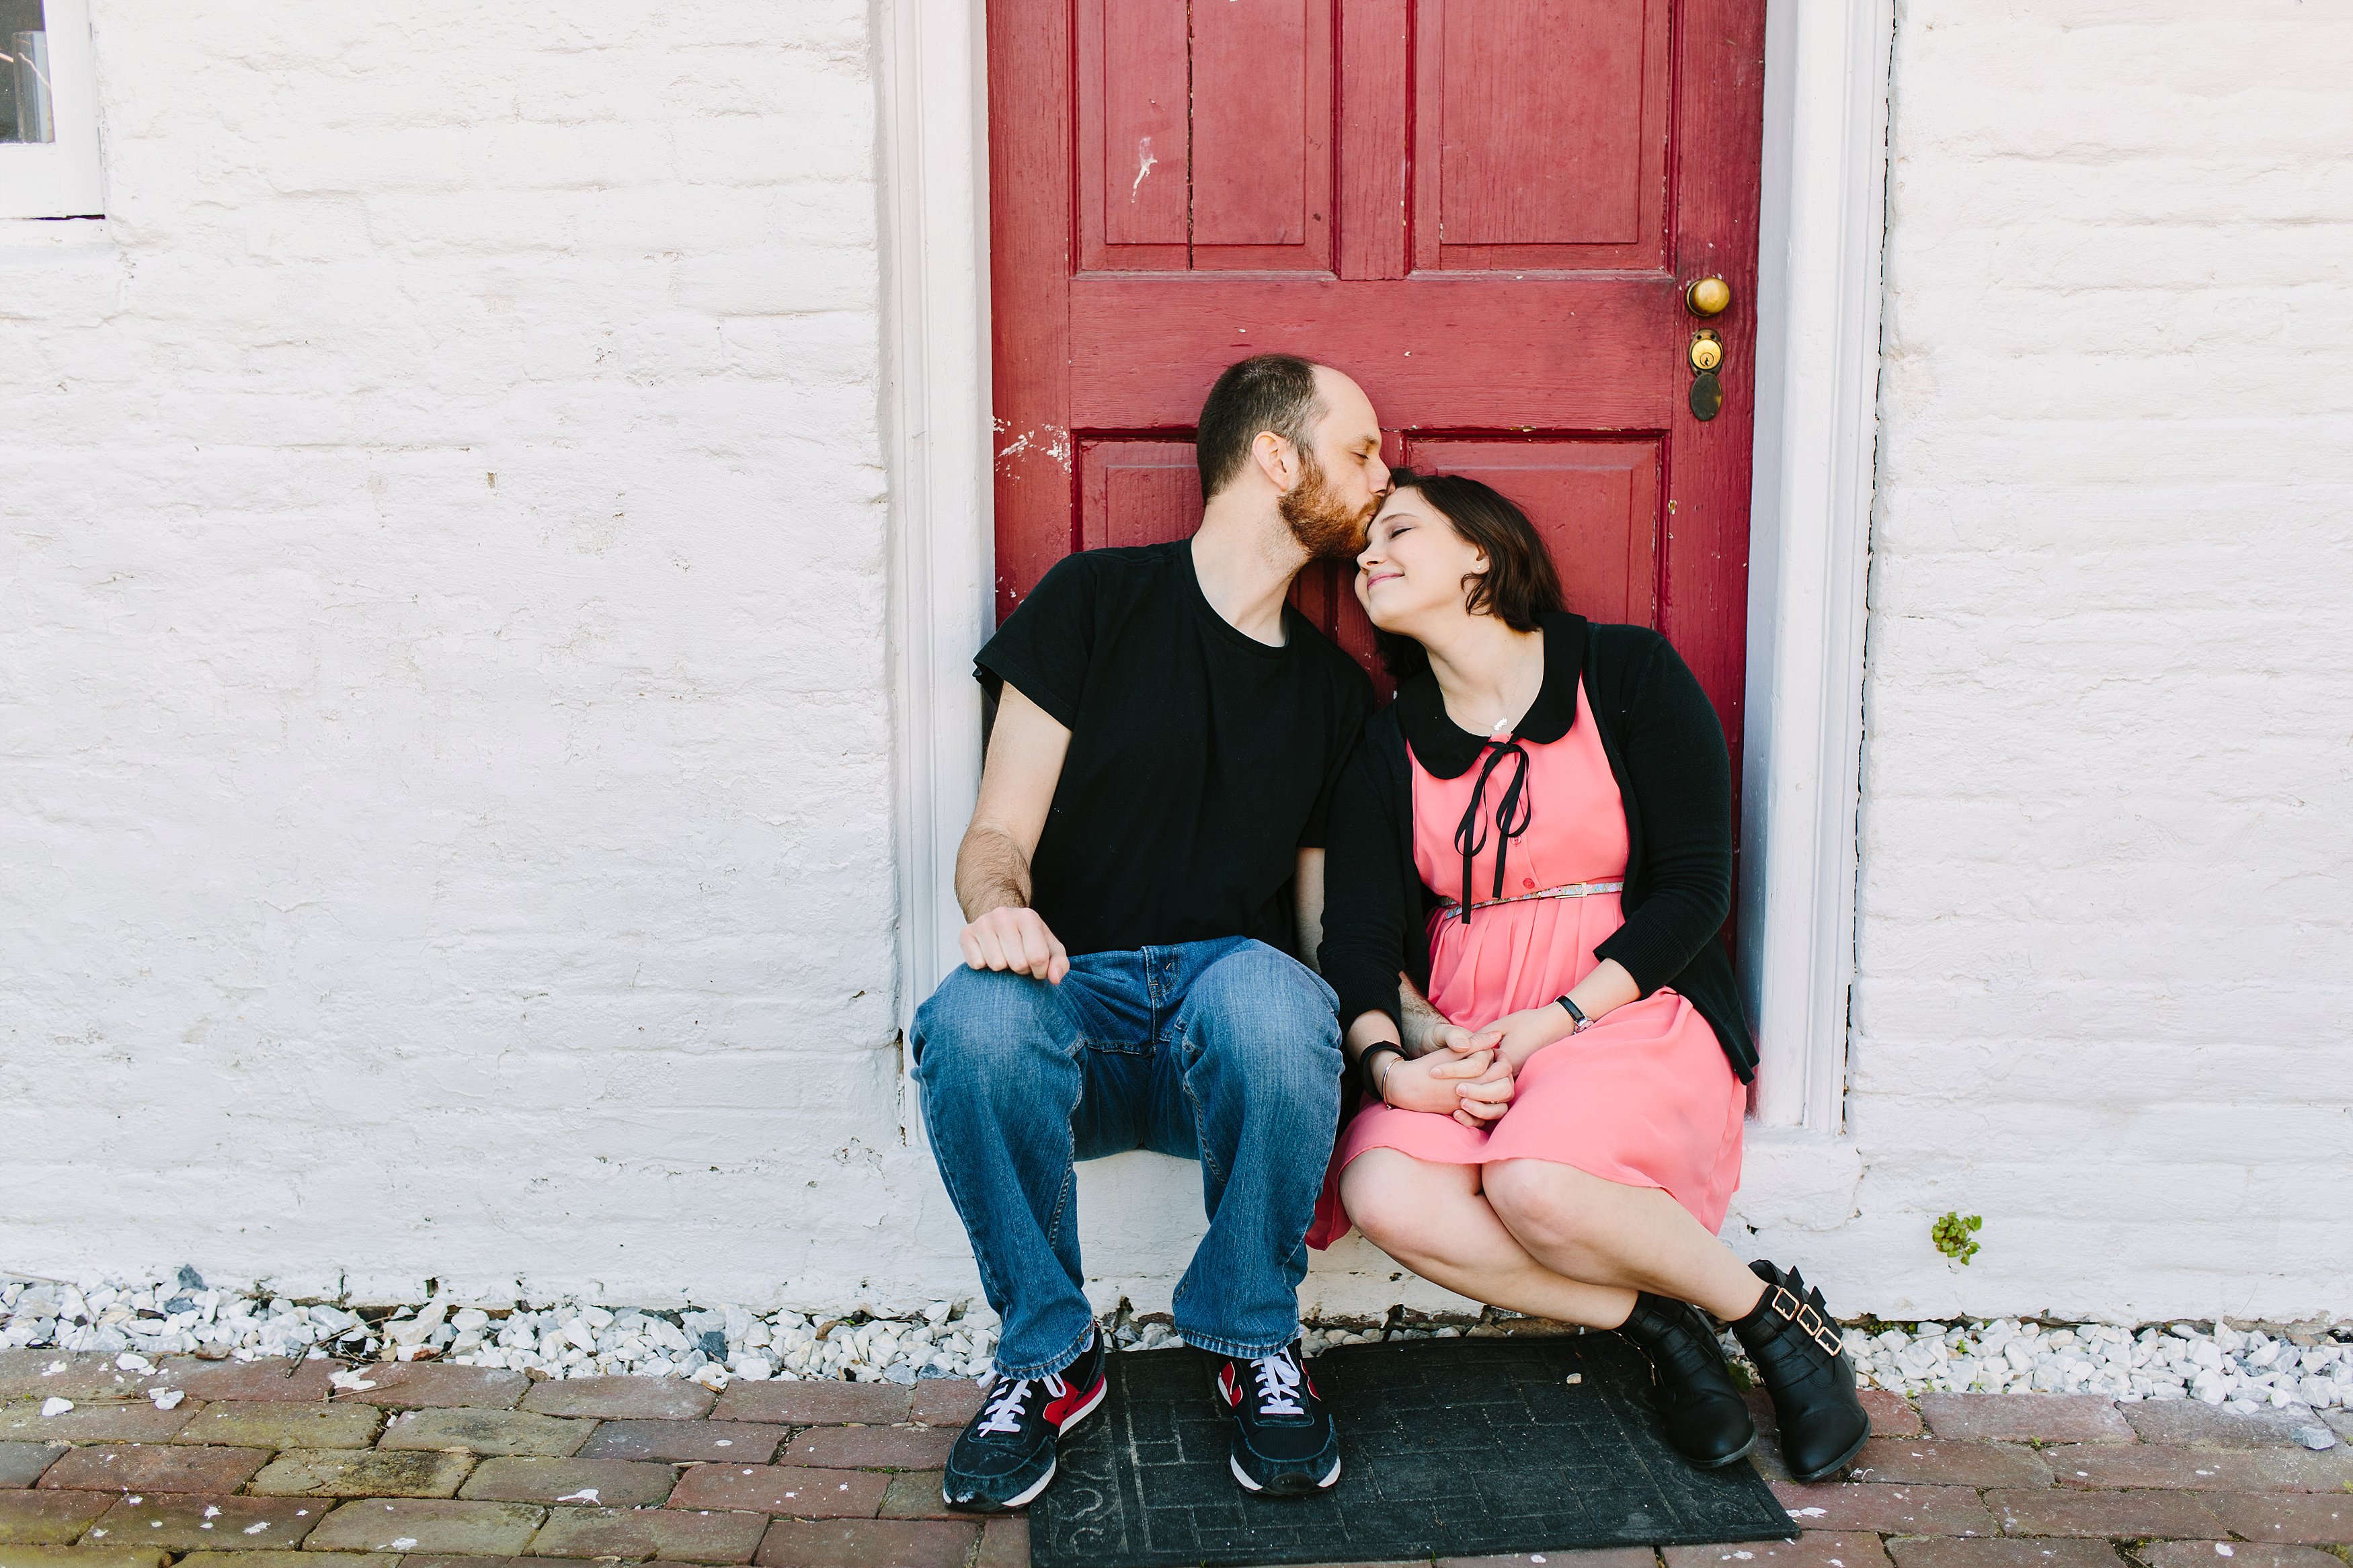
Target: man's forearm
[(991, 872), (1417, 1021)]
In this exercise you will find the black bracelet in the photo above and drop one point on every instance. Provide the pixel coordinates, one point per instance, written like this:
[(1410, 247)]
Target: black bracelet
[(1364, 1065), (1577, 1018)]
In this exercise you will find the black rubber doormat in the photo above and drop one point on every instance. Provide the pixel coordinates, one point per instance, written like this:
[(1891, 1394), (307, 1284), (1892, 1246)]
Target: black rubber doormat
[(1449, 1448)]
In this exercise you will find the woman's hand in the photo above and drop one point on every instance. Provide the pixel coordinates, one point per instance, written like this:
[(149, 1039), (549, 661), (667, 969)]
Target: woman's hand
[(1517, 1037), (1486, 1097), (1433, 1082)]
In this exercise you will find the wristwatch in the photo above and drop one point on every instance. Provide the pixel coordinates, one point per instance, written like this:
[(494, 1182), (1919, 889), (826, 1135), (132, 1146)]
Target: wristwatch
[(1579, 1022)]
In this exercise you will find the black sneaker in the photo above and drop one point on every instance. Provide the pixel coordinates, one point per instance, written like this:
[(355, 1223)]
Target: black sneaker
[(1284, 1443), (1006, 1454)]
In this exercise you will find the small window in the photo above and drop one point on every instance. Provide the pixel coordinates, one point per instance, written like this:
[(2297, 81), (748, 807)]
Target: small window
[(48, 111)]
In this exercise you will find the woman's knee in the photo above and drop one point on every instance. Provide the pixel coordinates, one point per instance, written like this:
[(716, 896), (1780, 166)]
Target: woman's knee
[(1539, 1202), (1398, 1203)]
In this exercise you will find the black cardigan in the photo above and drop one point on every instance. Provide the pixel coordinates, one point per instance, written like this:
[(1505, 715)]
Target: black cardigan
[(1666, 750)]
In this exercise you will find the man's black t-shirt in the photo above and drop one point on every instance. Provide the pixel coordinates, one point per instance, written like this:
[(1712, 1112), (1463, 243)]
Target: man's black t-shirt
[(1201, 760)]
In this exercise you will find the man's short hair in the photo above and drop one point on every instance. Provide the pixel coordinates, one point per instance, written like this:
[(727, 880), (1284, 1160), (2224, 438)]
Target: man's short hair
[(1266, 391)]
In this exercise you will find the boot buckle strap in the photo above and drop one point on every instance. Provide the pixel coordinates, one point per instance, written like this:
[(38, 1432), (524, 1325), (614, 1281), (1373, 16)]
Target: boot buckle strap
[(1810, 1323)]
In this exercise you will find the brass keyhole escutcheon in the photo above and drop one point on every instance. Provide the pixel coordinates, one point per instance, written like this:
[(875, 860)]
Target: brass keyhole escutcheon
[(1706, 359), (1707, 296)]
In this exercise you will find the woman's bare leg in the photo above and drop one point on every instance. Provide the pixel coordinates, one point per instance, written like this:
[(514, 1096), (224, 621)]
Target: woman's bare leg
[(1432, 1218), (1580, 1226)]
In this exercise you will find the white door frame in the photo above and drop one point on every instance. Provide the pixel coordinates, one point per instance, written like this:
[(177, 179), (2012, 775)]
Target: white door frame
[(1822, 224)]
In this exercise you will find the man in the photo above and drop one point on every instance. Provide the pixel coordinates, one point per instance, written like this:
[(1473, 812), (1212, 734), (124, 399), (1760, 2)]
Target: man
[(1146, 845)]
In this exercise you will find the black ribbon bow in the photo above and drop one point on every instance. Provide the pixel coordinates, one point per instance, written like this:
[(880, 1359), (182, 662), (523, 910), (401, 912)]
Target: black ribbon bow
[(1513, 813)]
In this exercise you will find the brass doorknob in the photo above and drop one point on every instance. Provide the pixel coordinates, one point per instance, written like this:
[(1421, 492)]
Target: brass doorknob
[(1707, 296)]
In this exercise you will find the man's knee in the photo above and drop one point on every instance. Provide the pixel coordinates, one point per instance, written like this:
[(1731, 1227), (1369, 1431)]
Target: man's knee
[(1267, 1016), (974, 1022)]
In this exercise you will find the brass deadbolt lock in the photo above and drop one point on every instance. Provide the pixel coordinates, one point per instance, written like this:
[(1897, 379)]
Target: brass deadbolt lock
[(1707, 296), (1706, 350)]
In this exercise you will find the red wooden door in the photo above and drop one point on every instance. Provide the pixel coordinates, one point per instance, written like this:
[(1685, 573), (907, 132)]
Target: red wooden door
[(1483, 210)]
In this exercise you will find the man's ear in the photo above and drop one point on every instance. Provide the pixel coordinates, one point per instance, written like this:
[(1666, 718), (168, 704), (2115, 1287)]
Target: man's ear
[(1277, 458)]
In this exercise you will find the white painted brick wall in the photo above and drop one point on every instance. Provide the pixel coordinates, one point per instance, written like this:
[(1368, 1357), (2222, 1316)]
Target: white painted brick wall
[(411, 874), (2105, 951)]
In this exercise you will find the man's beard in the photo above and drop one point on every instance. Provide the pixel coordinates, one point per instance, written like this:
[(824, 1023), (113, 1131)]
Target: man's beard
[(1326, 527)]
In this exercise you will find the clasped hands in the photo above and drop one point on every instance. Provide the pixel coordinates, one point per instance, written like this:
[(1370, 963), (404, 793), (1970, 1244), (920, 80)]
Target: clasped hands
[(1468, 1074)]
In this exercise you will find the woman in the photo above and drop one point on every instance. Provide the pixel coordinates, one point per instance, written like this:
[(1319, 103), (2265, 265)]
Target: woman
[(1537, 834)]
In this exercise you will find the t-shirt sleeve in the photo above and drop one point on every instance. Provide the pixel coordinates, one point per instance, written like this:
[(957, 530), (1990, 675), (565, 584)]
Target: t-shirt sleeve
[(1355, 704), (1042, 649)]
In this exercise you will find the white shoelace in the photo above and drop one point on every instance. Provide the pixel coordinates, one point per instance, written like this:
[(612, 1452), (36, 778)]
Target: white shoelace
[(1278, 1385), (1005, 1409)]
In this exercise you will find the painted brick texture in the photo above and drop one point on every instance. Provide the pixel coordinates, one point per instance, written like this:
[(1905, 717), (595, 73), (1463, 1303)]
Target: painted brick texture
[(2107, 813), (443, 665)]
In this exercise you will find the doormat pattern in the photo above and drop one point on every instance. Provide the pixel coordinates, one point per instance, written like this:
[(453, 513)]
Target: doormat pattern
[(1451, 1448)]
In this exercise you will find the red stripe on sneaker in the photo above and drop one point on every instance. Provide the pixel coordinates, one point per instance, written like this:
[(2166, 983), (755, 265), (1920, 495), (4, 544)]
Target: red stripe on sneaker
[(1228, 1386), (1073, 1402)]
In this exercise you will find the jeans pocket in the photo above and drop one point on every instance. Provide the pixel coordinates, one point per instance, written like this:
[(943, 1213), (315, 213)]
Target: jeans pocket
[(1117, 1047)]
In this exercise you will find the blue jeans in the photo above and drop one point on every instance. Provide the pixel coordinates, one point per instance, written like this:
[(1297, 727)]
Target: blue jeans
[(1227, 1052)]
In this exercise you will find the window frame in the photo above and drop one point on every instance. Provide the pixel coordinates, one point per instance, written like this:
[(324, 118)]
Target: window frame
[(64, 178)]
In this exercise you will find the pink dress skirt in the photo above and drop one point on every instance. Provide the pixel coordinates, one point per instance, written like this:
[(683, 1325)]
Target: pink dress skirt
[(1646, 1096)]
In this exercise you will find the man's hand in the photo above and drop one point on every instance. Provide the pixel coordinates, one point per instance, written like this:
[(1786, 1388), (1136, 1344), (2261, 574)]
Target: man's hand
[(992, 871), (1014, 939)]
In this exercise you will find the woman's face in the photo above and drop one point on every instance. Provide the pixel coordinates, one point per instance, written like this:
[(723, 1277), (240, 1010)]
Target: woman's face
[(1409, 577)]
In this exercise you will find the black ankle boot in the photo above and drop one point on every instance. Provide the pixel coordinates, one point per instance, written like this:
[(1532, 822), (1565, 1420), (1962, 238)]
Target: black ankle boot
[(1706, 1419), (1801, 1355)]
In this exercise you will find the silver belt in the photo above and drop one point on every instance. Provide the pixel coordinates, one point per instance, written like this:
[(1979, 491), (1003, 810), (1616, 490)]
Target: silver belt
[(1566, 890)]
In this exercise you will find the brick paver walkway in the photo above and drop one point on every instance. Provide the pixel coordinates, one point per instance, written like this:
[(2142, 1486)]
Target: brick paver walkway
[(266, 1464)]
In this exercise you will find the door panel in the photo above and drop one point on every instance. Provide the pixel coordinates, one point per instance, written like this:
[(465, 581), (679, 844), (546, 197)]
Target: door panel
[(1205, 137), (1596, 503), (1137, 492), (1545, 123), (1135, 134), (1261, 134)]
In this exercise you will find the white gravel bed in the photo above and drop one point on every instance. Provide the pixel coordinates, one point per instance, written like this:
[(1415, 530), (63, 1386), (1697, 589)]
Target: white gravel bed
[(2247, 1369)]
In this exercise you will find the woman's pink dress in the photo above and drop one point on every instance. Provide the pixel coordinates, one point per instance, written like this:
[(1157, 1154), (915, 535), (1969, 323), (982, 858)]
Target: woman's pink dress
[(1646, 1096)]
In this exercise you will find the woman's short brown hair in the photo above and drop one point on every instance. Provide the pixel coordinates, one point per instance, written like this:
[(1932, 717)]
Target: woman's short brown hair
[(1519, 587)]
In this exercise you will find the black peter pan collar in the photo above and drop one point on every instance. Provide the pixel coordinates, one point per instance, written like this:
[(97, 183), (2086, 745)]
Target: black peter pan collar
[(1447, 751)]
